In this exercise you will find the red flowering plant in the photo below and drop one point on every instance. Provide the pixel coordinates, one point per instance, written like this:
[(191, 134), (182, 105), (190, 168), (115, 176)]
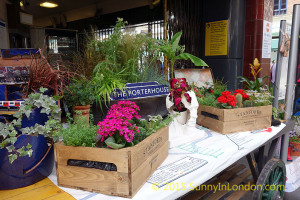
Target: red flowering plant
[(227, 100), (179, 89)]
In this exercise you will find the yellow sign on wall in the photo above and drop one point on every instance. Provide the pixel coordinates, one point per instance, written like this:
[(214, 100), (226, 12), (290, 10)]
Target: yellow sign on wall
[(216, 35)]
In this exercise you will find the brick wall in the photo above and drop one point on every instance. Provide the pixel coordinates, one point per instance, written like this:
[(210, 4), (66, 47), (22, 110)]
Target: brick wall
[(256, 12)]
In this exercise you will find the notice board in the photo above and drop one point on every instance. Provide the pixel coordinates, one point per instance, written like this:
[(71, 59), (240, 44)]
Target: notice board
[(216, 36)]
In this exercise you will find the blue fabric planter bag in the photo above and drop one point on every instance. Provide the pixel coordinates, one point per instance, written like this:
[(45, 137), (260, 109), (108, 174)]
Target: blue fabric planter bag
[(26, 170), (36, 117)]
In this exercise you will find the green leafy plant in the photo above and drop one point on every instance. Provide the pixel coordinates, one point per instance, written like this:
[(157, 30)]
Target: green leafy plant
[(278, 113), (261, 98), (79, 133), (46, 105), (125, 58), (148, 127), (79, 93), (173, 51)]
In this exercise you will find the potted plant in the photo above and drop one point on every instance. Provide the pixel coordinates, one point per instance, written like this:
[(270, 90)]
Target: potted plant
[(42, 74), (173, 51), (295, 138), (229, 112), (79, 94), (257, 84), (27, 152), (124, 153), (124, 58), (179, 89)]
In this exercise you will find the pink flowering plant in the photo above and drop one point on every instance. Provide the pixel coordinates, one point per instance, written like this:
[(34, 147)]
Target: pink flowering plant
[(122, 126), (117, 130)]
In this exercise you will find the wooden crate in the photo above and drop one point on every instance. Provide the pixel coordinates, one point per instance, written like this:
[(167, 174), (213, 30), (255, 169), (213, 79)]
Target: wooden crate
[(134, 165), (234, 120)]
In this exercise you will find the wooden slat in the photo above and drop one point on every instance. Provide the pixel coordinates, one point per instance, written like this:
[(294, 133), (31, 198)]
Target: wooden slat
[(240, 193), (93, 180), (118, 157), (142, 151), (43, 189), (7, 112), (247, 113), (237, 180), (222, 178)]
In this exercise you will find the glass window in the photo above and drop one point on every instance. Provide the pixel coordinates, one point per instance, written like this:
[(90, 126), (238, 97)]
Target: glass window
[(279, 7)]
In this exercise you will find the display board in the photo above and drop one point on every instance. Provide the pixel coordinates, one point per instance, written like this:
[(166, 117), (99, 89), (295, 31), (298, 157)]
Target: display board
[(199, 77), (140, 90), (216, 36)]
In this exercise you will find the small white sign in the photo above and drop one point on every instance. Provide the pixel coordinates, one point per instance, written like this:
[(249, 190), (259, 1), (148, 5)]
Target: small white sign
[(267, 40), (26, 18)]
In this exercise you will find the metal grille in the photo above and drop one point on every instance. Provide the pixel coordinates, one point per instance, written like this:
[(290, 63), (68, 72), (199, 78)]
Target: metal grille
[(156, 28), (185, 16)]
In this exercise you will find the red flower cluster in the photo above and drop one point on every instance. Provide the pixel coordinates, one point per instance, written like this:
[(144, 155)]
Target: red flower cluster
[(179, 87), (227, 98), (242, 92)]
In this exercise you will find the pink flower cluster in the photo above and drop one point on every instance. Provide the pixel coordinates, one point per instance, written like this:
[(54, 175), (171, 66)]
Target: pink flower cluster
[(117, 121)]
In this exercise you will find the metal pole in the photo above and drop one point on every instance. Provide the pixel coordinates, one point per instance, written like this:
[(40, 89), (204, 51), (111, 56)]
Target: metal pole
[(291, 80), (166, 36), (282, 31)]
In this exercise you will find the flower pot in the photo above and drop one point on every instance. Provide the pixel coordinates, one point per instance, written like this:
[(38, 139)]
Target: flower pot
[(85, 112), (182, 117), (26, 170), (295, 148)]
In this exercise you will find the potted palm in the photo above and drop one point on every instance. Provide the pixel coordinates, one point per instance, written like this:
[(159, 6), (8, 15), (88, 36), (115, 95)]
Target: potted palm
[(173, 51), (26, 153)]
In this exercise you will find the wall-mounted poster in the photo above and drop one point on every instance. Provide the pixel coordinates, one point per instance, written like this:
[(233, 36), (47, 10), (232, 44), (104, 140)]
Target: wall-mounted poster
[(267, 40), (216, 36)]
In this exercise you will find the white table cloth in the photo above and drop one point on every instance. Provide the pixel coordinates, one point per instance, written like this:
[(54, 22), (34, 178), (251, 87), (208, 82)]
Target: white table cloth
[(220, 151)]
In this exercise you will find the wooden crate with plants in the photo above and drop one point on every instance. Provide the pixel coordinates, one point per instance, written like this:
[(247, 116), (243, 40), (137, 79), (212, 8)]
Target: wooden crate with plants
[(244, 110), (126, 152)]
